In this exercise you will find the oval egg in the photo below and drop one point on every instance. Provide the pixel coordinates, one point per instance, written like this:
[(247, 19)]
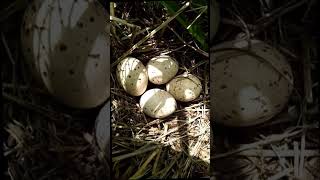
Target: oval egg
[(185, 87), (64, 43), (162, 69), (158, 103), (247, 90), (132, 76)]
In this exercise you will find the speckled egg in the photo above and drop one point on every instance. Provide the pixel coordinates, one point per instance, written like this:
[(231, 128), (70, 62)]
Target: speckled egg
[(185, 87), (162, 69), (66, 46), (132, 76), (158, 103), (247, 90)]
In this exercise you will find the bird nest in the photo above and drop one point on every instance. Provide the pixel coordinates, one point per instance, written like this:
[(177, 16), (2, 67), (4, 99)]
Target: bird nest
[(175, 146)]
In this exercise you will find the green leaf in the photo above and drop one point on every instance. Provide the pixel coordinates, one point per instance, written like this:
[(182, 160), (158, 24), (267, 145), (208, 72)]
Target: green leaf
[(195, 30)]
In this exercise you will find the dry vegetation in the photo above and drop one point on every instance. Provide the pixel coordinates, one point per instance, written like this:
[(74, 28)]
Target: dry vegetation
[(176, 146)]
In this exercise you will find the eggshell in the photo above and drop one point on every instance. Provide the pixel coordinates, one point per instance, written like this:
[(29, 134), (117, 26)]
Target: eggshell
[(162, 69), (246, 90), (66, 46), (132, 75), (157, 103), (185, 87), (103, 128)]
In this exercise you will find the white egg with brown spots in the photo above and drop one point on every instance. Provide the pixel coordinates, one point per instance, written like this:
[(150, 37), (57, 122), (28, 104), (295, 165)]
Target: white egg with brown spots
[(65, 44), (161, 69), (132, 76), (185, 87), (158, 103), (247, 90)]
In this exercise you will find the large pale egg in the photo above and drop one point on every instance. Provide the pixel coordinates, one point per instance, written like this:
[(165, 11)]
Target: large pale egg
[(67, 47), (185, 87), (158, 103), (162, 69), (132, 76), (247, 90)]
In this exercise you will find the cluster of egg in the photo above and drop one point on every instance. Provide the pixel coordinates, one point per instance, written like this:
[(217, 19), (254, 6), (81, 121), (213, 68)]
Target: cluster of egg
[(133, 76)]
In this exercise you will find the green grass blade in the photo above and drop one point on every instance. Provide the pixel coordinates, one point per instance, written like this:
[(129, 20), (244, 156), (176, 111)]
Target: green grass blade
[(195, 30)]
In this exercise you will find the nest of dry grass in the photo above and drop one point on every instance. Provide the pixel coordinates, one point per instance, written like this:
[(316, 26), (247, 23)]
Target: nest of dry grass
[(173, 147)]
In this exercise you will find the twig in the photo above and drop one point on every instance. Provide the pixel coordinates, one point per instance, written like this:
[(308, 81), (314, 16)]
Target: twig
[(112, 18), (188, 44), (203, 10), (262, 23), (55, 116), (271, 153), (245, 28), (281, 174), (270, 139), (302, 153), (13, 63), (12, 8), (234, 23), (176, 129), (23, 88), (282, 161), (307, 45), (152, 33), (296, 158)]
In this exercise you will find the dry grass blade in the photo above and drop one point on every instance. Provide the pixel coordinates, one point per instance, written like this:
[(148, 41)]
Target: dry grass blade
[(273, 138), (164, 24)]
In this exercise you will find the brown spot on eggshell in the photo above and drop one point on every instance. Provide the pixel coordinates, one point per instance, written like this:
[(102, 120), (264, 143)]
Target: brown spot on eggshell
[(27, 32), (63, 47), (80, 24), (223, 86), (34, 8), (96, 56), (228, 116), (261, 117), (71, 71)]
